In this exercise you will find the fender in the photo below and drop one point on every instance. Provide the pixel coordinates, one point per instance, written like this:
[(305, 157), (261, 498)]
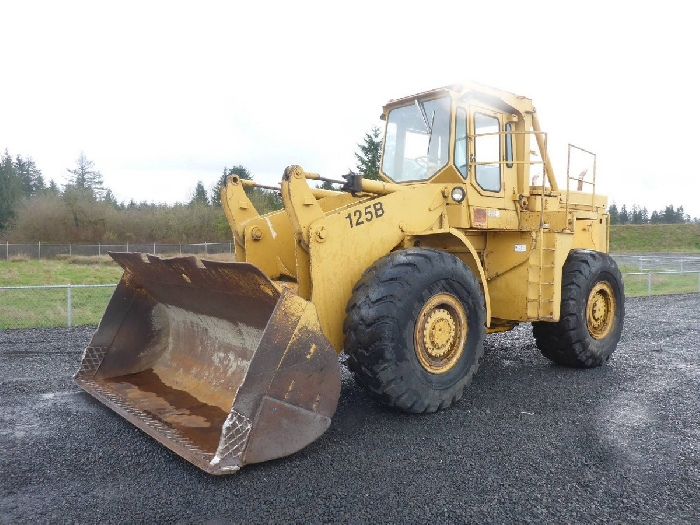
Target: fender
[(451, 238)]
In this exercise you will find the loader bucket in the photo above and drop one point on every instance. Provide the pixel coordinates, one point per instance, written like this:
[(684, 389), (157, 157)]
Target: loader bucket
[(215, 362)]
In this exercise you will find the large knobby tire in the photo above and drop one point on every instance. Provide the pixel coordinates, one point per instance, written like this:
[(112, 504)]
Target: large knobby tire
[(415, 329), (592, 312)]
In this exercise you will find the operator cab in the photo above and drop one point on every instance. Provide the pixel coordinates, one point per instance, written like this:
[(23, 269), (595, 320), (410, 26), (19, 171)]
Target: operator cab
[(417, 140), (465, 134)]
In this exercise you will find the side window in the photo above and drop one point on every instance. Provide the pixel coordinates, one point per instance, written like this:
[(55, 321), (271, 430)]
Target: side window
[(509, 145), (487, 149), (461, 141)]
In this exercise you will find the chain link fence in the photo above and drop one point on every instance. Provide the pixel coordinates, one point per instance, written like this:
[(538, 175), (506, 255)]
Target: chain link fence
[(43, 250), (53, 305), (72, 305), (658, 263)]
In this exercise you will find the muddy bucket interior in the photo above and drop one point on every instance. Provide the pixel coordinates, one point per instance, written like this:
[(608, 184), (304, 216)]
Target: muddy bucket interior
[(214, 362)]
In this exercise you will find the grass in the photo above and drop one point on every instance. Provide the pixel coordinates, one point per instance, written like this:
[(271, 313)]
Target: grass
[(35, 272), (49, 307), (655, 238), (661, 284)]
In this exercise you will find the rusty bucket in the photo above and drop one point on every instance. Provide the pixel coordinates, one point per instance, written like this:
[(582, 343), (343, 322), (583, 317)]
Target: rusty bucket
[(215, 361)]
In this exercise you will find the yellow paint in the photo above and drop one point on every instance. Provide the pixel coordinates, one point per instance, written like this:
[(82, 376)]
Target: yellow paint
[(515, 240), (600, 310), (440, 333), (289, 390), (311, 351)]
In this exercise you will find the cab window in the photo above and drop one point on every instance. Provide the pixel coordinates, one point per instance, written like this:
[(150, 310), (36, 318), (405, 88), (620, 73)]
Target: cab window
[(461, 141), (417, 140), (487, 152)]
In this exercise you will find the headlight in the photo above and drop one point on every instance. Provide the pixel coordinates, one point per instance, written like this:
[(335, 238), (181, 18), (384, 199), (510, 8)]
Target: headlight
[(458, 194)]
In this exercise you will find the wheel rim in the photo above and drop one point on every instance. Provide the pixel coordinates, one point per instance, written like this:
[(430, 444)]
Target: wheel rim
[(600, 310), (440, 333)]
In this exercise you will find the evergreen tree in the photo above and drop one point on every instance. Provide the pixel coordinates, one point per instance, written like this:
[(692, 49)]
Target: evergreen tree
[(614, 214), (30, 175), (624, 216), (671, 215), (325, 185), (10, 189), (200, 195), (111, 199), (53, 188), (243, 173), (644, 215), (369, 155), (84, 177), (239, 170), (639, 215)]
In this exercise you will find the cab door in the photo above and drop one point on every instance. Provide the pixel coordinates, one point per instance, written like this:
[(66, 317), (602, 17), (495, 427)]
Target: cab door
[(492, 171)]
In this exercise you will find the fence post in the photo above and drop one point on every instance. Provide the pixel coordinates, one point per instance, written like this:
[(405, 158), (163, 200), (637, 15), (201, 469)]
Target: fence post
[(205, 249), (154, 248), (230, 247), (649, 284), (127, 246), (7, 250), (39, 249), (70, 249), (70, 316), (180, 248)]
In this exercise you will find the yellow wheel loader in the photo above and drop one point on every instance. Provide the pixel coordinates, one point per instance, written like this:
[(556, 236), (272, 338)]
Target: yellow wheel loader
[(466, 233)]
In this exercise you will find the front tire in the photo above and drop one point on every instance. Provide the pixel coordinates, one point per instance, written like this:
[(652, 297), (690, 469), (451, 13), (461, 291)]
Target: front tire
[(592, 312), (415, 329)]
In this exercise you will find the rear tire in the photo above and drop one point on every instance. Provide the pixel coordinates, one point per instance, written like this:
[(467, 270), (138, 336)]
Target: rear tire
[(592, 312), (415, 329)]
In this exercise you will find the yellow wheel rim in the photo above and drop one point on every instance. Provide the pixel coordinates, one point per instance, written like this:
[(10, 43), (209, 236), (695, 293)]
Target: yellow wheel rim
[(600, 310), (440, 333)]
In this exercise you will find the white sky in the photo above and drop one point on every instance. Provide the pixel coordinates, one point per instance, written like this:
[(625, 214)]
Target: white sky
[(160, 95)]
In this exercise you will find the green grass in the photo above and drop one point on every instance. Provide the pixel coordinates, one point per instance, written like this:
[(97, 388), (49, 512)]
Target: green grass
[(44, 308), (655, 238), (661, 284), (36, 272), (49, 307)]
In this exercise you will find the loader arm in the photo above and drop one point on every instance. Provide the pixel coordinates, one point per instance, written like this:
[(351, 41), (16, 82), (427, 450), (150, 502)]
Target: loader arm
[(348, 241)]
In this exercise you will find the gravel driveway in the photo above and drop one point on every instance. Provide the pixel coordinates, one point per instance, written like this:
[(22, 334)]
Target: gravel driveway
[(529, 442)]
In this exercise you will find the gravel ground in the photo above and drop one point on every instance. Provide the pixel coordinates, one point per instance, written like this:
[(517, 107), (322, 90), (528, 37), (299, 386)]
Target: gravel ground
[(529, 442)]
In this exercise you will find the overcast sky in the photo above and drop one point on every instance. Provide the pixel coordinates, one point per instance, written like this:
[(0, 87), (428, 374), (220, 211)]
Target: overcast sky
[(160, 95)]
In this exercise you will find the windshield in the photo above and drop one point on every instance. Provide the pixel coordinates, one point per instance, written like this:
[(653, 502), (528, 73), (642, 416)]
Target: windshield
[(417, 138)]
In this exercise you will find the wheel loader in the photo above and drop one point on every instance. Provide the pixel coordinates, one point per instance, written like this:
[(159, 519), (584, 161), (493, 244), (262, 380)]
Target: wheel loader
[(466, 233)]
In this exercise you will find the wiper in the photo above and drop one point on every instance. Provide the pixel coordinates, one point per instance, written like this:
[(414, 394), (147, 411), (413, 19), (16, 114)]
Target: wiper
[(421, 108), (428, 126)]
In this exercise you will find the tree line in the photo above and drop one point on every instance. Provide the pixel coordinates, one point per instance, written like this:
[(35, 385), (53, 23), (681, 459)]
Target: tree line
[(640, 215), (84, 210)]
